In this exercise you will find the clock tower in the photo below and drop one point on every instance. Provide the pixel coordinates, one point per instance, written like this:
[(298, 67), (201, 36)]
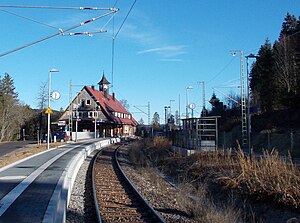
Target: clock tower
[(104, 85)]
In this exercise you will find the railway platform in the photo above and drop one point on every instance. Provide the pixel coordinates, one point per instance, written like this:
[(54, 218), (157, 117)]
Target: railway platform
[(37, 188)]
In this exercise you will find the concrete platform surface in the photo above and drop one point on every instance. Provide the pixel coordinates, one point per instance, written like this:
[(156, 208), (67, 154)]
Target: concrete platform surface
[(27, 187)]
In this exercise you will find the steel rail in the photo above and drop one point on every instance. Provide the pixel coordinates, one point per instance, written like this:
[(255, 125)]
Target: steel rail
[(154, 214), (94, 188), (157, 216)]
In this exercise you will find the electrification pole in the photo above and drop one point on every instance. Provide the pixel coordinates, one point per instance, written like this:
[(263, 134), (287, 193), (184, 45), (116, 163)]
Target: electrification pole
[(243, 97)]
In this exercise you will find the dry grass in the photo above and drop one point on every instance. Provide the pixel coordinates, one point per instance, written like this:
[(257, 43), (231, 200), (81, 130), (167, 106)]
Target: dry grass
[(266, 177), (161, 142), (26, 152), (198, 204), (147, 153)]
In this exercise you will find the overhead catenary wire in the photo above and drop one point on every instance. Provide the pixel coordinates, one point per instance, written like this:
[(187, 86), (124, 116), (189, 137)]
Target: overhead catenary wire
[(101, 30), (84, 33), (115, 36), (61, 31), (45, 24), (230, 98), (116, 2), (55, 7), (221, 71), (29, 19)]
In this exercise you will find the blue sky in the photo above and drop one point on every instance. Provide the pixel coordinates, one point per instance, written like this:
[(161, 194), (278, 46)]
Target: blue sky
[(163, 47)]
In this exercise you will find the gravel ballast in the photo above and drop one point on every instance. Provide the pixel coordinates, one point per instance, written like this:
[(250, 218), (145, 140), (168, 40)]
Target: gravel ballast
[(158, 193), (81, 206)]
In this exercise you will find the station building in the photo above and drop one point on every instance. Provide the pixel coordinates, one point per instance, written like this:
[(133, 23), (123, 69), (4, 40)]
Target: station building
[(96, 113)]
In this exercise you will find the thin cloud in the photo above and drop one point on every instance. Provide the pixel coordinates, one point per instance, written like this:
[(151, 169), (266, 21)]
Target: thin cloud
[(166, 51), (170, 60), (141, 30)]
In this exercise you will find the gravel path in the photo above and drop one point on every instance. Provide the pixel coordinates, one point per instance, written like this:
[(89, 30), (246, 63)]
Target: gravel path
[(81, 207)]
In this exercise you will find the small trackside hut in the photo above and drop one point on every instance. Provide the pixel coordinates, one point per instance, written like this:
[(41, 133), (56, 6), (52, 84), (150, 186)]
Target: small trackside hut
[(96, 113), (198, 134)]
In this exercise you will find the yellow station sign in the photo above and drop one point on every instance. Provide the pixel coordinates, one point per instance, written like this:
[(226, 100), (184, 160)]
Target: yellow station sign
[(48, 111)]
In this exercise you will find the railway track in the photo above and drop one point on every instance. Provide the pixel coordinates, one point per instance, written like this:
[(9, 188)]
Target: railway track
[(115, 197)]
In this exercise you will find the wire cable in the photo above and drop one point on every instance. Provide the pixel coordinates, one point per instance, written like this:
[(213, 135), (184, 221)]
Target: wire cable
[(125, 19), (221, 71), (104, 26), (55, 7), (91, 33), (116, 2), (59, 33), (113, 50), (29, 19), (115, 36)]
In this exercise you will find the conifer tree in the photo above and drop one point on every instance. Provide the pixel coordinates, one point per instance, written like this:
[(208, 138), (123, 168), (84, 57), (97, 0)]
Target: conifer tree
[(11, 115), (156, 121), (263, 82)]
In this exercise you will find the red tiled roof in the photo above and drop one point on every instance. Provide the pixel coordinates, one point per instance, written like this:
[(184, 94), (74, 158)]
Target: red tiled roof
[(126, 121), (111, 104)]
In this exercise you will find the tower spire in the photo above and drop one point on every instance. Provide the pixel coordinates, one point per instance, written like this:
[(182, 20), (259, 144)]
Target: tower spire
[(104, 85)]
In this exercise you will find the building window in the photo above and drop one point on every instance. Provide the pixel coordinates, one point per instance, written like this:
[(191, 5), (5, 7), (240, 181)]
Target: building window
[(93, 114), (88, 102), (77, 114), (82, 103)]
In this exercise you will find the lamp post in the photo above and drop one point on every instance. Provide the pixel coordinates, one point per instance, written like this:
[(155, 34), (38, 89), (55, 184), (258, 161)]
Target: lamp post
[(187, 100), (49, 89), (166, 121), (171, 100), (166, 108), (95, 119), (251, 55)]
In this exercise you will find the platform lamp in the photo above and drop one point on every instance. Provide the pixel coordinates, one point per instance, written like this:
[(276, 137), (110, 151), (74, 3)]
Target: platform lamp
[(49, 110), (187, 100), (95, 116)]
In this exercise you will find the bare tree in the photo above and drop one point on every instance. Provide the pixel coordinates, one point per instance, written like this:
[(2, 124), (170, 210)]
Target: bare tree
[(285, 65), (124, 103), (42, 96)]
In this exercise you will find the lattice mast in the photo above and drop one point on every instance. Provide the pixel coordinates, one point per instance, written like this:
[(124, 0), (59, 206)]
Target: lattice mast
[(243, 100), (243, 97)]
